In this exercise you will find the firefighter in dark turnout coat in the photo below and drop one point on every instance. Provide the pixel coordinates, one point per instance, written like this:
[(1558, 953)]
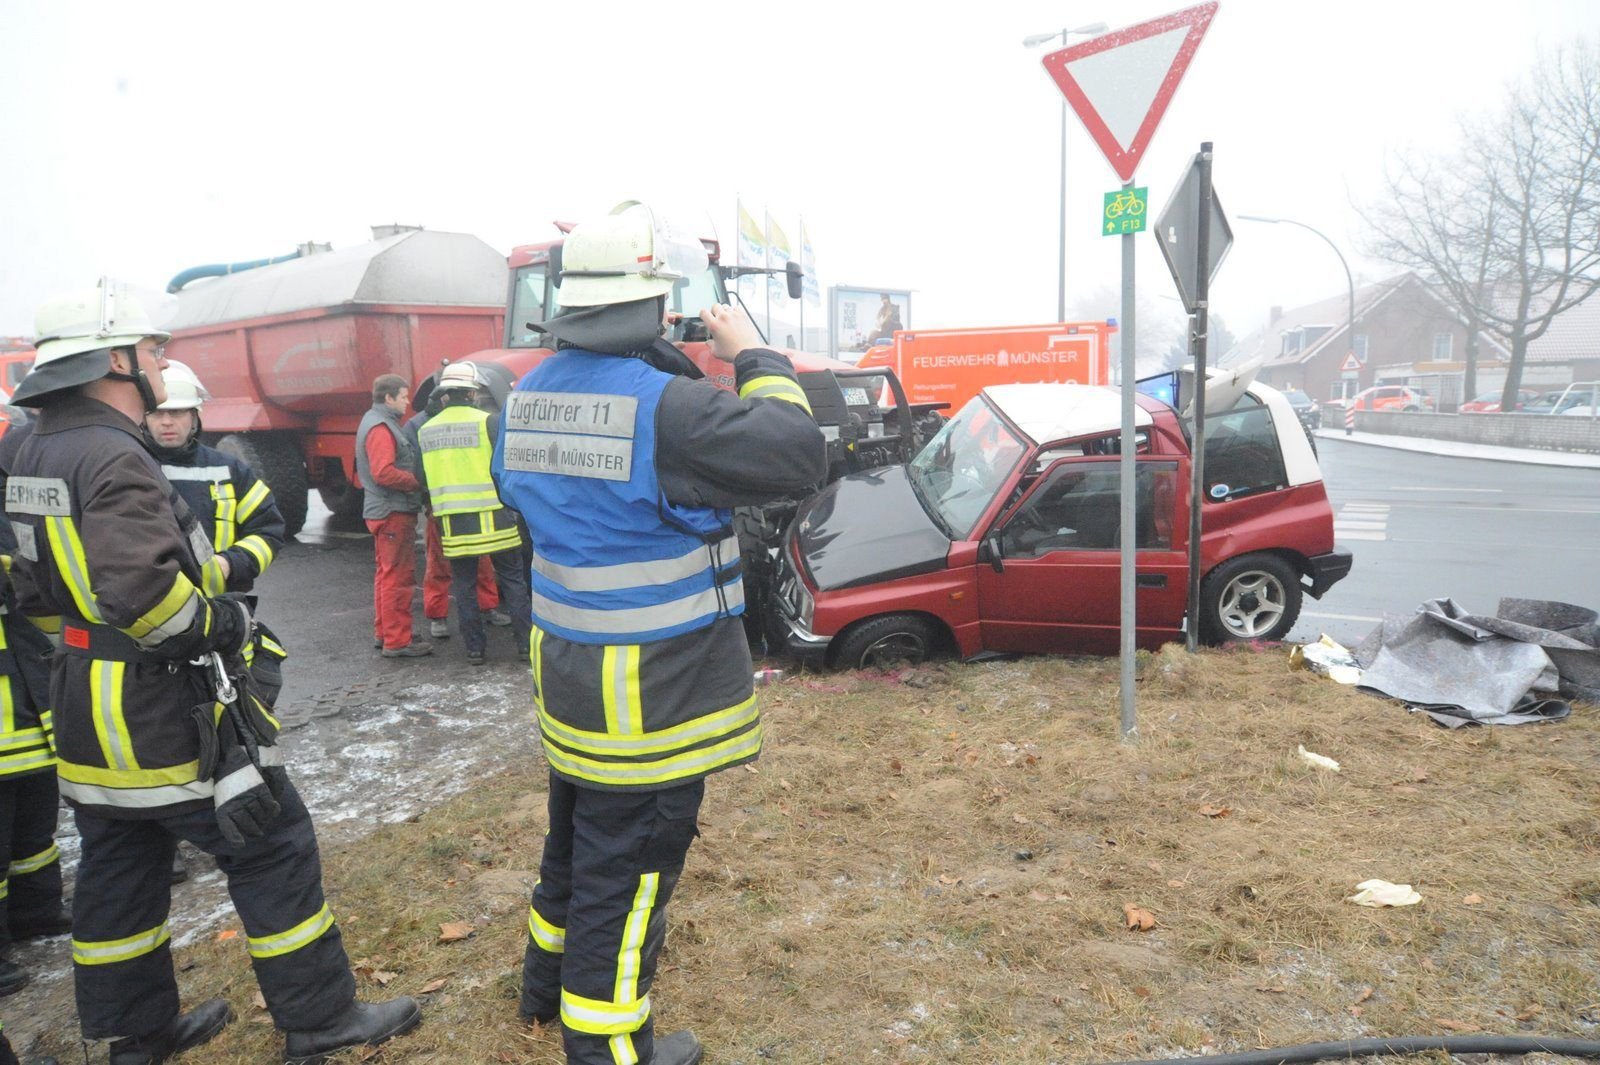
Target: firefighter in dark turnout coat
[(625, 469), (151, 746)]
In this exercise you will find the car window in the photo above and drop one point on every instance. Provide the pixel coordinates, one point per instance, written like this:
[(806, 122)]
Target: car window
[(958, 473), (1242, 456), (1077, 508)]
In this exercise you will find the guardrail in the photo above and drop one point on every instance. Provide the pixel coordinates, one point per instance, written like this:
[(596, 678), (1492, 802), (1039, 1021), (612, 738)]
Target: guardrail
[(1542, 432)]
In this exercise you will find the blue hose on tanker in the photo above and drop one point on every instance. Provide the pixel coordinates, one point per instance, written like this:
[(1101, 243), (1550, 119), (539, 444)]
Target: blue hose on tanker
[(195, 273)]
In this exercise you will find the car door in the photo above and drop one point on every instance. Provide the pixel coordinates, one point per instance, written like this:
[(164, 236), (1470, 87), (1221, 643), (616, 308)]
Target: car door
[(1053, 579)]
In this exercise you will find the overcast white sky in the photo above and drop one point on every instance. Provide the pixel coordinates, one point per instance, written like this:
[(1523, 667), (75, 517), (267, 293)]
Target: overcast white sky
[(923, 149)]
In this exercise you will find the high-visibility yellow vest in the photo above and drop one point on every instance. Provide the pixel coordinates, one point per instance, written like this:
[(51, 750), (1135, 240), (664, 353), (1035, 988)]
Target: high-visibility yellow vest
[(456, 450)]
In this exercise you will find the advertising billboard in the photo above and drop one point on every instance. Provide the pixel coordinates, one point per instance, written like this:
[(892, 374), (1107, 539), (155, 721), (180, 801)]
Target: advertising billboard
[(858, 316)]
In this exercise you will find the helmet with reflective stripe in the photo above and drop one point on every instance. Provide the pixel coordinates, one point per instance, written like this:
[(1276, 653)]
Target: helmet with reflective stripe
[(628, 255), (459, 376), (76, 333), (184, 390)]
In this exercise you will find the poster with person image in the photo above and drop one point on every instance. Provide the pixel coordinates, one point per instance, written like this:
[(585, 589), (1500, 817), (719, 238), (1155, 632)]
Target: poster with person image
[(863, 317)]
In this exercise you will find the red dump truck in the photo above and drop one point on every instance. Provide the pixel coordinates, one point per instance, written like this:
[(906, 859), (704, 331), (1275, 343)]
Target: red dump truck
[(289, 349)]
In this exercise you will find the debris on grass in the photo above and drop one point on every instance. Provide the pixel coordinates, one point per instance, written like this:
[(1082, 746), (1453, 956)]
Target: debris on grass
[(1321, 761), (1381, 893)]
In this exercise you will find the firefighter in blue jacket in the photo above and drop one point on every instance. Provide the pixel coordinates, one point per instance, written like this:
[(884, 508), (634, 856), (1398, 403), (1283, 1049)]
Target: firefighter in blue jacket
[(625, 467)]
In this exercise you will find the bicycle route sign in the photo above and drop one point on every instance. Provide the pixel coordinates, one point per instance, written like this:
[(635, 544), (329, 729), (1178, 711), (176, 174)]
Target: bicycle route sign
[(1125, 212)]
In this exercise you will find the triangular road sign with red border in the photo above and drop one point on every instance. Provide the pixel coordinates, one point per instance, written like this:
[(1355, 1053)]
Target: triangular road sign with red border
[(1120, 83)]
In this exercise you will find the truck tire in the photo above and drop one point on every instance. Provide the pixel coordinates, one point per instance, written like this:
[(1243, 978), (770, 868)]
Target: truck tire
[(276, 458), (344, 500), (1252, 597), (890, 640)]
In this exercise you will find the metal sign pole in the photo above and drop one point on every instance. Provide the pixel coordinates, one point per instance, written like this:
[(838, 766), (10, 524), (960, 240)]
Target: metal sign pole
[(1197, 347), (1130, 728)]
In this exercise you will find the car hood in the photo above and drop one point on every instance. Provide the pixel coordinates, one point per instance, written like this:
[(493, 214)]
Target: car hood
[(865, 528)]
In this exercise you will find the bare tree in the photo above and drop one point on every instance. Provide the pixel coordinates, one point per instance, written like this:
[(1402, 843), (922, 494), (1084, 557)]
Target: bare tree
[(1509, 225)]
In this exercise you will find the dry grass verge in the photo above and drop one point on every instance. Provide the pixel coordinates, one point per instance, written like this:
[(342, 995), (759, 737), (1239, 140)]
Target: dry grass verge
[(936, 869)]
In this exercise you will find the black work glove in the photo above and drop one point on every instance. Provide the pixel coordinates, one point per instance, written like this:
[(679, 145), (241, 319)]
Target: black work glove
[(234, 625), (244, 798)]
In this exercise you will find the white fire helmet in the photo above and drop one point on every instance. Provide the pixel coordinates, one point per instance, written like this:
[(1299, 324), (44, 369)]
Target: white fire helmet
[(76, 333), (459, 375), (628, 255), (184, 390)]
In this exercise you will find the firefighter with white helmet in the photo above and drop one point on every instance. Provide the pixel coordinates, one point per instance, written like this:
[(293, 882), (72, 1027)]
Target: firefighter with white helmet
[(152, 746), (456, 446), (625, 469)]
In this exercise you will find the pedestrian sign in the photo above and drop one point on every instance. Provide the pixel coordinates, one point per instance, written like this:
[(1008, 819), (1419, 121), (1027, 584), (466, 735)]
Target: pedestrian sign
[(1124, 212)]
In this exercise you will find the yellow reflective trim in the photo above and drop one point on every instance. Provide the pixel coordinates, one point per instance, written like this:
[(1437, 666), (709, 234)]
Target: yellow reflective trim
[(223, 505), (108, 951), (633, 930), (12, 764), (8, 709), (252, 501), (622, 1051), (705, 727), (24, 866), (5, 888), (594, 1017), (258, 549), (67, 551), (178, 596), (536, 655), (773, 386), (105, 703), (608, 687), (698, 762), (73, 772), (302, 934), (21, 737), (212, 582), (546, 935)]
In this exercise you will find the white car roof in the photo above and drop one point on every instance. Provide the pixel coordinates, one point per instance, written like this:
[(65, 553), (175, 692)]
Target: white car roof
[(1051, 411)]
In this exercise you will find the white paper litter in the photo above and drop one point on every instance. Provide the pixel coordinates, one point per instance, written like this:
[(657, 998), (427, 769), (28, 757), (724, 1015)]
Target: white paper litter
[(1321, 761), (1379, 893)]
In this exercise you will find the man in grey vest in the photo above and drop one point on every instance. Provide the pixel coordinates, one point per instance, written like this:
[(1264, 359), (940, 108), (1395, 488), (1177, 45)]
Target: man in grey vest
[(385, 459)]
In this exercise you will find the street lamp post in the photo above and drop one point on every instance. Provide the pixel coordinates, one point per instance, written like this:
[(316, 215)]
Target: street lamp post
[(1350, 329), (1031, 41)]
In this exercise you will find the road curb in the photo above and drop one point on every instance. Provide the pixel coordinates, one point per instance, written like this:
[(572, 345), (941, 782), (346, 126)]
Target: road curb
[(1487, 452)]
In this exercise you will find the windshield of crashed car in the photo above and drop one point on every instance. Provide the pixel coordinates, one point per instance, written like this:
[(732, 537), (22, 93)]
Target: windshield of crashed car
[(959, 471)]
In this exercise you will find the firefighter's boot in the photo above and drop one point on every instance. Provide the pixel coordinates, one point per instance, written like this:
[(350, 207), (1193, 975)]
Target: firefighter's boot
[(363, 1024), (183, 1032), (679, 1048)]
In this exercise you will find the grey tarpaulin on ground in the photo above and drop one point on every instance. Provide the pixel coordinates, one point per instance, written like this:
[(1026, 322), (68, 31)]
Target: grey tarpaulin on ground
[(1517, 666)]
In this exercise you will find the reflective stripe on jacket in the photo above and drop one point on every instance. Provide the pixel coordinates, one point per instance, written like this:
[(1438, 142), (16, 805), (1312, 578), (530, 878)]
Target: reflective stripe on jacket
[(613, 560), (456, 453), (106, 544), (234, 507)]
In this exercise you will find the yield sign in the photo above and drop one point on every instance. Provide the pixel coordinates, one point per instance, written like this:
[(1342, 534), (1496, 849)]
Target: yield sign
[(1120, 83)]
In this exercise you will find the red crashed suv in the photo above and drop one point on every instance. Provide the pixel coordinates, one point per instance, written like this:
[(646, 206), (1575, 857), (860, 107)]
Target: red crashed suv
[(1002, 534)]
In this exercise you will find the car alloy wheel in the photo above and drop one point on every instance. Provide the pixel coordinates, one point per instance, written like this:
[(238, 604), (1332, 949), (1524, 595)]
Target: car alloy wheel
[(1252, 604)]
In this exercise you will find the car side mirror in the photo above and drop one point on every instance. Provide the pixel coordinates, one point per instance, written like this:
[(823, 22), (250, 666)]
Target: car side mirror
[(989, 551), (796, 279)]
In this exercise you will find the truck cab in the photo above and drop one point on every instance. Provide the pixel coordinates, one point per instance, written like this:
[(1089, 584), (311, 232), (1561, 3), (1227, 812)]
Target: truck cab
[(1002, 534), (535, 295)]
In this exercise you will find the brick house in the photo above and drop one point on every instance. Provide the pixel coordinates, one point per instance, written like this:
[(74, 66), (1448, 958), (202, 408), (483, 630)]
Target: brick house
[(1404, 334)]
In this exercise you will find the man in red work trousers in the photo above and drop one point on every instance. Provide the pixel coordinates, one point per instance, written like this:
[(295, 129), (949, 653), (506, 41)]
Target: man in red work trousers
[(384, 458)]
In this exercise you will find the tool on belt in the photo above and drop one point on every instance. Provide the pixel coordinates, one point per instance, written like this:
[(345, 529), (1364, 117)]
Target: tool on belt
[(239, 754)]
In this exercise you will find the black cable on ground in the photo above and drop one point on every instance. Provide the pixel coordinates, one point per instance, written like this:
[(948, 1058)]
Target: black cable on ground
[(1405, 1044)]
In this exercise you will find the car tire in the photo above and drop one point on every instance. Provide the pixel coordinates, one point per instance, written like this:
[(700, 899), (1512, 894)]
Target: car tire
[(276, 458), (1411, 409), (1252, 597), (881, 642)]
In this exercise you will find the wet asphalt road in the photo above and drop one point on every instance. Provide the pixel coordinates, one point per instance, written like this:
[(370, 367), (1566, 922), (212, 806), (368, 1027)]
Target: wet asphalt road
[(1427, 526)]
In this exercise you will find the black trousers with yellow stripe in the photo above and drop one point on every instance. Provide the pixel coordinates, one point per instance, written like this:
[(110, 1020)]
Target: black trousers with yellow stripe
[(121, 955), (30, 893), (598, 917)]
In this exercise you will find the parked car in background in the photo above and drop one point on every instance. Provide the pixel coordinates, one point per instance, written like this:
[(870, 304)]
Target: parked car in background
[(1489, 402), (1003, 533), (1579, 399), (1305, 408), (1391, 397)]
